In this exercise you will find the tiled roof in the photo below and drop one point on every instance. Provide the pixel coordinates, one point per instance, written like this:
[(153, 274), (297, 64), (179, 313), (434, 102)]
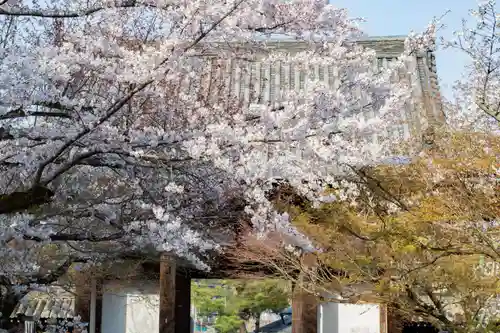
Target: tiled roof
[(51, 303), (253, 83)]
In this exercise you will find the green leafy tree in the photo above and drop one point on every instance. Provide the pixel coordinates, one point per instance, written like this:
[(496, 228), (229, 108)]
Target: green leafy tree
[(235, 302), (229, 323), (257, 296), (422, 236), (209, 296)]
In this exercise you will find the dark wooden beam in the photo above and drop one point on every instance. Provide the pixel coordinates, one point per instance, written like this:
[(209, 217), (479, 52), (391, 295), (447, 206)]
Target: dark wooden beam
[(225, 269), (175, 297)]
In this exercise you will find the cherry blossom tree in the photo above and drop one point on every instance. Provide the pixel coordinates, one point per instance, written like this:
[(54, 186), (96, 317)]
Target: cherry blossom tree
[(475, 103), (422, 237), (430, 255), (114, 142)]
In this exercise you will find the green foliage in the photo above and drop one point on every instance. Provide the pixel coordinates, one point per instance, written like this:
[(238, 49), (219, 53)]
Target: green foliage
[(237, 301), (493, 326), (228, 323), (414, 233), (257, 296), (209, 296)]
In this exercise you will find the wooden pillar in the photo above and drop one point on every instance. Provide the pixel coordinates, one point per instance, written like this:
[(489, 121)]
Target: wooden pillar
[(82, 304), (88, 304), (395, 321), (93, 305), (304, 304), (175, 298), (304, 313), (183, 303), (167, 294), (98, 305), (383, 318)]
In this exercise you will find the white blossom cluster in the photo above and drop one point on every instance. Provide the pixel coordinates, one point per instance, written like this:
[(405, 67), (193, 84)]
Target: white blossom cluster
[(476, 102), (92, 109)]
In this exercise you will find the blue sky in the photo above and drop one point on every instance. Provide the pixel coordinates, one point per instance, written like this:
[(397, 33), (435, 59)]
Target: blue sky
[(399, 17)]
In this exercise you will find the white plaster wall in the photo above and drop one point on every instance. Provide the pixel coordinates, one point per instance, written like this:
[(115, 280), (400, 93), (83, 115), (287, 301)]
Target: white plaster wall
[(143, 313), (348, 318), (328, 318), (130, 308), (114, 307)]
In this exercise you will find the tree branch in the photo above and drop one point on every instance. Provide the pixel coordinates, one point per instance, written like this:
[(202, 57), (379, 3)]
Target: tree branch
[(46, 279), (268, 29), (72, 14), (55, 274), (78, 237), (64, 111), (376, 184), (21, 114), (425, 308), (112, 110), (490, 112), (214, 25)]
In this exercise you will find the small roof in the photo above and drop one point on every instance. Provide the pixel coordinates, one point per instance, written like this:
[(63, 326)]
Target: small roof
[(49, 302)]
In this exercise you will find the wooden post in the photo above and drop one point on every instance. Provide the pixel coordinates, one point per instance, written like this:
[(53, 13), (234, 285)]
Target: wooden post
[(167, 294), (304, 313), (98, 305), (175, 298), (182, 303), (93, 305), (383, 318), (304, 304), (395, 321)]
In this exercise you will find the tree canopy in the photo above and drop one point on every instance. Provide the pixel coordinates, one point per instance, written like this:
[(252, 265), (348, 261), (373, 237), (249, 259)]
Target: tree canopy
[(125, 131), (422, 236), (236, 302), (419, 232), (121, 133)]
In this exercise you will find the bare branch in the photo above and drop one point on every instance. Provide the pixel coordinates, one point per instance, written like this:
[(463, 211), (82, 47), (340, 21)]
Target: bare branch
[(72, 14)]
